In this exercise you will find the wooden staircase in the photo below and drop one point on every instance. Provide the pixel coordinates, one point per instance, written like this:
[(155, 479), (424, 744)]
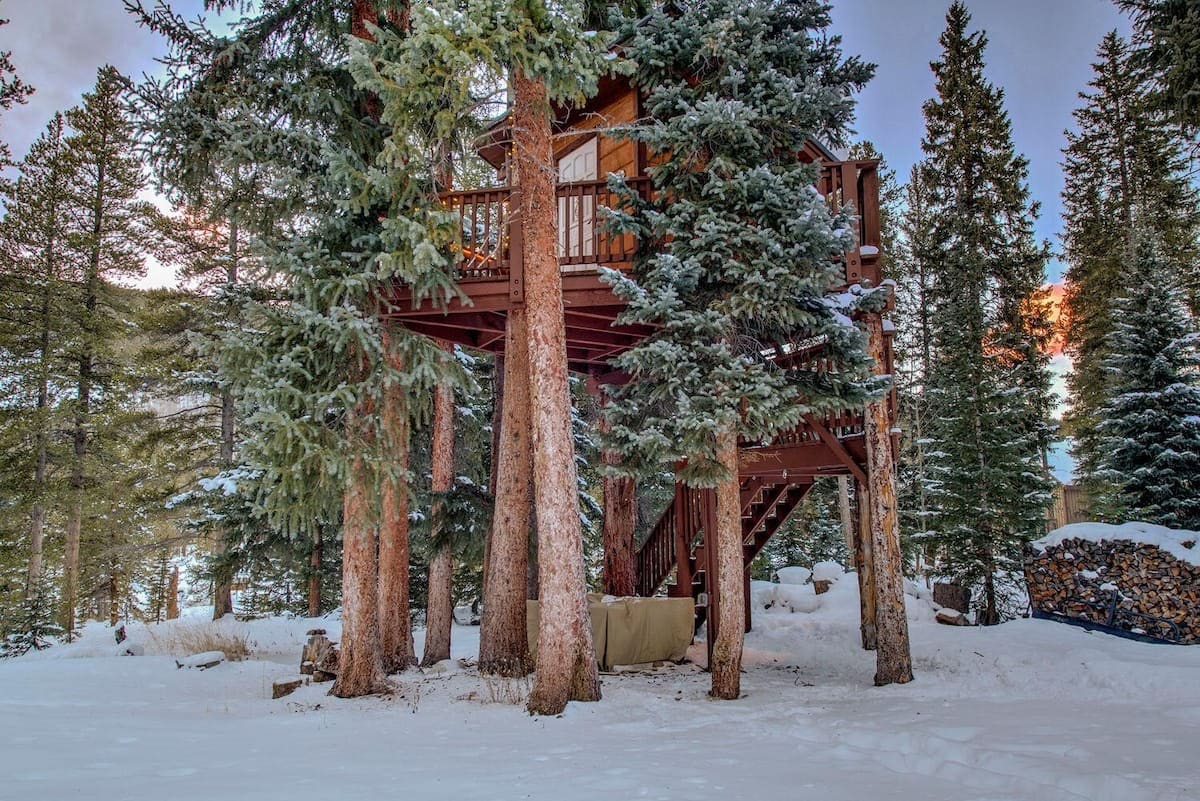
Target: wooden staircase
[(766, 506)]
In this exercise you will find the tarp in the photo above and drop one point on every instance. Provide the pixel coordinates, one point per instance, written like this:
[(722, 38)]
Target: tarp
[(631, 631)]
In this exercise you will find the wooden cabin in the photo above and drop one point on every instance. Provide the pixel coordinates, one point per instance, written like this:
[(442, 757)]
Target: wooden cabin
[(775, 477)]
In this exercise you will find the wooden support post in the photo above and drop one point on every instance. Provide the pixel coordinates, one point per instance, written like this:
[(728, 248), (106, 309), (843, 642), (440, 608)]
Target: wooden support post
[(746, 594), (844, 510), (864, 566), (708, 512), (683, 557), (516, 248)]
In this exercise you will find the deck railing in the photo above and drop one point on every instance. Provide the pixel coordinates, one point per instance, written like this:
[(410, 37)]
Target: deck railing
[(490, 233)]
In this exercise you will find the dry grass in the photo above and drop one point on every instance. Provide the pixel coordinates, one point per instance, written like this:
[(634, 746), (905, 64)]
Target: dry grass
[(497, 690), (185, 639)]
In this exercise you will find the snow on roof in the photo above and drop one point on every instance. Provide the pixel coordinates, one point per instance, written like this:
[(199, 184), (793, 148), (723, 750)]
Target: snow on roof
[(1168, 539)]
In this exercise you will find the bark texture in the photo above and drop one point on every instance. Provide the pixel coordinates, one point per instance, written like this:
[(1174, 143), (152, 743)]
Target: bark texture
[(439, 613), (503, 640), (314, 576), (395, 623), (893, 659), (360, 661), (566, 657), (173, 595), (726, 662), (620, 520)]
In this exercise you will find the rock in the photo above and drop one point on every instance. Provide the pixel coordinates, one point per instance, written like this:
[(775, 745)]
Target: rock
[(133, 649), (120, 634), (202, 661), (794, 575), (822, 585), (952, 596), (951, 617), (315, 633), (281, 688)]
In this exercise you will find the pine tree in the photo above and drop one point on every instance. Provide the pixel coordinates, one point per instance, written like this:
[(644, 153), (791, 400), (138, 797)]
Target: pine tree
[(35, 326), (110, 236), (988, 382), (1124, 170), (1149, 430), (736, 254)]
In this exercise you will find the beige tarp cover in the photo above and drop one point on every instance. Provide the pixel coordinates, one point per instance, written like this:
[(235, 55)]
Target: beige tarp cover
[(630, 631)]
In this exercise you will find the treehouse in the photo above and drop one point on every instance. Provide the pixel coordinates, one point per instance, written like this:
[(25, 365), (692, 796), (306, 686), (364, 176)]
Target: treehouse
[(774, 477)]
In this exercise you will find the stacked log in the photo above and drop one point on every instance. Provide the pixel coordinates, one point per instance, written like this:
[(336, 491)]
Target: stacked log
[(1117, 582)]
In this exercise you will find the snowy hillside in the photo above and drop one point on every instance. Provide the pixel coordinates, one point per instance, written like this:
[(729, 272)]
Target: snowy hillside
[(1029, 711)]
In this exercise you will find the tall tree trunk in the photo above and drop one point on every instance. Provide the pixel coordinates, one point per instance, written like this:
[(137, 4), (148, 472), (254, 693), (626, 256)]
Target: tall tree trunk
[(360, 662), (620, 520), (566, 656), (503, 639), (864, 568), (314, 575), (395, 622), (439, 616), (893, 658), (223, 585), (493, 477), (173, 594), (37, 521), (726, 662)]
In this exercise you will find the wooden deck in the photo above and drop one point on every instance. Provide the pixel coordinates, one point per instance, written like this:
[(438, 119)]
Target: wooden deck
[(490, 274)]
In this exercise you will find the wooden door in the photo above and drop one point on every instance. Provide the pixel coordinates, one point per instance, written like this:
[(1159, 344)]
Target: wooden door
[(577, 214)]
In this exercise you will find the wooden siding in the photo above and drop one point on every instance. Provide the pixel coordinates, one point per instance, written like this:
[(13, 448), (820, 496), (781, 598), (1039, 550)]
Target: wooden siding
[(614, 156)]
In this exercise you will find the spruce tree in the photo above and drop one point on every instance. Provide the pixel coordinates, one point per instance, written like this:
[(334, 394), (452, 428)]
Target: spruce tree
[(1167, 34), (736, 253), (988, 382), (1124, 170), (1149, 429)]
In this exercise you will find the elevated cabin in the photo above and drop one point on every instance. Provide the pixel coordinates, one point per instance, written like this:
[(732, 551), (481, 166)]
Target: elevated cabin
[(775, 476)]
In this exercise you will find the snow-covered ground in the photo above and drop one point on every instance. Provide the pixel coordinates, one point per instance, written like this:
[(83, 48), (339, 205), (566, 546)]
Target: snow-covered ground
[(1032, 710)]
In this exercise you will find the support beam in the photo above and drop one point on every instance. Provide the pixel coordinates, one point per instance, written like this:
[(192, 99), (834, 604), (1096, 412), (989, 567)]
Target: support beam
[(864, 566), (836, 447)]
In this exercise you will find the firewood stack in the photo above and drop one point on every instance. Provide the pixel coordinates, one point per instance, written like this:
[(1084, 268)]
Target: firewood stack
[(1081, 578)]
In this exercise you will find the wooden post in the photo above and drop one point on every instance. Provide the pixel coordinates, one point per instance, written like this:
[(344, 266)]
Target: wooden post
[(516, 247), (708, 511), (746, 596), (683, 562), (864, 566), (844, 510)]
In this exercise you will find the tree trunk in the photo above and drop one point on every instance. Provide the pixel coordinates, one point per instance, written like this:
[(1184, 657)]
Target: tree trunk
[(314, 576), (493, 477), (566, 656), (360, 661), (439, 613), (173, 595), (893, 659), (395, 622), (503, 640), (726, 662), (620, 520), (223, 585)]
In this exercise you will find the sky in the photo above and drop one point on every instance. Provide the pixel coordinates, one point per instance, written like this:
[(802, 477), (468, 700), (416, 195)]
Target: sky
[(1040, 52)]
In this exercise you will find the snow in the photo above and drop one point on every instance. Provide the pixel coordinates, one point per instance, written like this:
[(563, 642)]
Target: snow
[(1028, 711), (827, 571), (1180, 543), (794, 575)]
